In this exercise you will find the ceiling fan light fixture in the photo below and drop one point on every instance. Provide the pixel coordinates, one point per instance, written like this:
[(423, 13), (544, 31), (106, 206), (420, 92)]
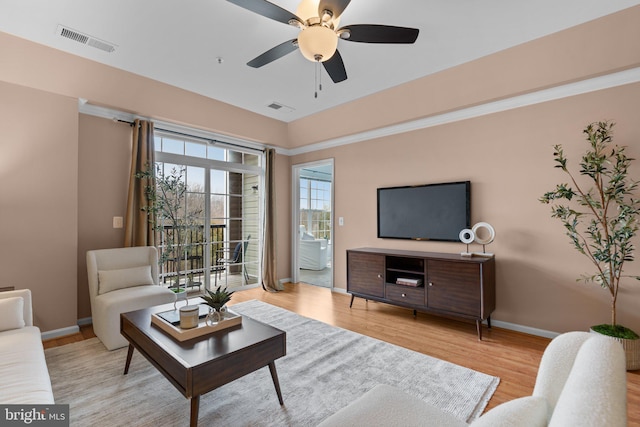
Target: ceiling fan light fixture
[(317, 43), (308, 12), (307, 9)]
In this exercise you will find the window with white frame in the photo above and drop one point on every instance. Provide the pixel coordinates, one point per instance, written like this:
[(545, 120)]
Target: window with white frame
[(315, 207), (224, 188)]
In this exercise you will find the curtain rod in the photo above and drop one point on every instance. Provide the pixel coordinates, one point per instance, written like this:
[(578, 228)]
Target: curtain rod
[(213, 141)]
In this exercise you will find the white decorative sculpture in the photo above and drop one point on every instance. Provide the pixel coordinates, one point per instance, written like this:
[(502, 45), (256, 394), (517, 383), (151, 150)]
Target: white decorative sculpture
[(468, 236)]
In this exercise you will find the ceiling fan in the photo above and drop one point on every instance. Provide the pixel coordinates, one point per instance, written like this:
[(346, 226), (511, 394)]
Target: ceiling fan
[(318, 38)]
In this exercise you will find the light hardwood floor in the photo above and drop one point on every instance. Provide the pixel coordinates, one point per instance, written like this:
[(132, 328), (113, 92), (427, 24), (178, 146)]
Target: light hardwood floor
[(512, 356)]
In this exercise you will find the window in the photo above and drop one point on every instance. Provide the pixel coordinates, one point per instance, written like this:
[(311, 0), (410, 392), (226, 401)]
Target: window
[(224, 190), (315, 207)]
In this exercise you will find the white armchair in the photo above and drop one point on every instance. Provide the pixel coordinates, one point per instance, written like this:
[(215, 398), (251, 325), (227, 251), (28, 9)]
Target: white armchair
[(582, 381), (313, 252), (122, 280)]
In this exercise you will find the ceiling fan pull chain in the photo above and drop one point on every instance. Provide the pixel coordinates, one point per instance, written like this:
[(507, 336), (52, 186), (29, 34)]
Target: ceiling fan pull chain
[(317, 66)]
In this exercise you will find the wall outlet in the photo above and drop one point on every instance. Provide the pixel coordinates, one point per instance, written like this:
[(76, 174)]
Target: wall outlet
[(117, 222)]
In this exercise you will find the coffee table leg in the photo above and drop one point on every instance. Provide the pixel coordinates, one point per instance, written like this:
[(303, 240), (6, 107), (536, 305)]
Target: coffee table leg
[(195, 408), (128, 362), (274, 376)]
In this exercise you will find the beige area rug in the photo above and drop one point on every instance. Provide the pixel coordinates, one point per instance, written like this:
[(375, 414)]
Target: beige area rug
[(325, 369)]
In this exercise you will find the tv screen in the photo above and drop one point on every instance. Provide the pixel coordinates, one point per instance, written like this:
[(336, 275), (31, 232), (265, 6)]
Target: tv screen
[(425, 212)]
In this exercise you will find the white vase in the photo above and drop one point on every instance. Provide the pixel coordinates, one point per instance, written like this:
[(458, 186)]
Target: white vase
[(181, 296)]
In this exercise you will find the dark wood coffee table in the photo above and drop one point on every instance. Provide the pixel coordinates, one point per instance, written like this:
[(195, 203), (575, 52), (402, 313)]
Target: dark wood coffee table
[(202, 364)]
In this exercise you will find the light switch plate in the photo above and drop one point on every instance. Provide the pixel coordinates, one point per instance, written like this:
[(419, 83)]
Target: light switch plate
[(117, 222)]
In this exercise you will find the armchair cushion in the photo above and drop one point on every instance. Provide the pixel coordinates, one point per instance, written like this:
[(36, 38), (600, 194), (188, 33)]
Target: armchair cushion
[(529, 411), (11, 313), (385, 405), (111, 280)]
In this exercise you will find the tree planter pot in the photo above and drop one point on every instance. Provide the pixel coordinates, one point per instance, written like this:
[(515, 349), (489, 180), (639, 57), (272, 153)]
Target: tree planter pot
[(181, 296), (631, 350)]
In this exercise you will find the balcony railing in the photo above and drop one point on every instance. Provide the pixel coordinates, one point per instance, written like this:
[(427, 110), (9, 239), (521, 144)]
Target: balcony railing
[(194, 268), (193, 264)]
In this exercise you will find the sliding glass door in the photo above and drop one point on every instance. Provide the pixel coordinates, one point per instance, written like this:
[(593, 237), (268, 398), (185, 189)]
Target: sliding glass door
[(224, 193)]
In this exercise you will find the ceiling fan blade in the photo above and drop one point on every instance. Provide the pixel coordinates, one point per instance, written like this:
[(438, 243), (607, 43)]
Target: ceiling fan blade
[(267, 9), (371, 33), (335, 6), (335, 68), (274, 53)]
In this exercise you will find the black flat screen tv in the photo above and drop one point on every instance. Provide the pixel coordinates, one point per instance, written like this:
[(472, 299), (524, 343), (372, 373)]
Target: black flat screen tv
[(425, 212)]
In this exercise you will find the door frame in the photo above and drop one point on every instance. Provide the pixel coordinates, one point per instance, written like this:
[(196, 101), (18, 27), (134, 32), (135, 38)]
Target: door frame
[(295, 215)]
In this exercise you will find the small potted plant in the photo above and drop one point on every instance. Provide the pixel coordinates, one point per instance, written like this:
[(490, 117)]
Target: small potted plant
[(217, 301), (601, 221)]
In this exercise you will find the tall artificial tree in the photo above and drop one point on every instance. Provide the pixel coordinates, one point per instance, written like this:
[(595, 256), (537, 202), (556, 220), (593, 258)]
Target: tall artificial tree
[(170, 214), (601, 220)]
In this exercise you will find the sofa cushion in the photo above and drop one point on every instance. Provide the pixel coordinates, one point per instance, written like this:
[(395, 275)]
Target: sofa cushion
[(11, 313), (24, 377), (525, 411), (111, 280)]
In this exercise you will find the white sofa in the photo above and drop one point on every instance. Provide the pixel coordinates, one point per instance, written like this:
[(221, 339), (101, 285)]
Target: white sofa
[(122, 280), (24, 377), (581, 382), (313, 252)]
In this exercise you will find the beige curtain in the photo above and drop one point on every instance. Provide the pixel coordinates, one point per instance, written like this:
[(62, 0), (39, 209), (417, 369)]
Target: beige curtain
[(269, 275), (138, 230)]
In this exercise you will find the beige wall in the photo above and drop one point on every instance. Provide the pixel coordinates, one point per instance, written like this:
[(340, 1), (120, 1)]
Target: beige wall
[(507, 156), (38, 200), (104, 157), (508, 159)]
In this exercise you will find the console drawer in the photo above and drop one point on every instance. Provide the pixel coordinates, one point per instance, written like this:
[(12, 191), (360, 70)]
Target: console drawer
[(405, 294)]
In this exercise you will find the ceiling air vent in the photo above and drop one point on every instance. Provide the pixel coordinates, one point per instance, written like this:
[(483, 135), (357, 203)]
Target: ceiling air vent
[(280, 107), (79, 37)]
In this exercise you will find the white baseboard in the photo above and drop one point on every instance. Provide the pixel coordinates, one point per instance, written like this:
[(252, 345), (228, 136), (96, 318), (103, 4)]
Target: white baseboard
[(524, 329), (60, 332), (86, 321)]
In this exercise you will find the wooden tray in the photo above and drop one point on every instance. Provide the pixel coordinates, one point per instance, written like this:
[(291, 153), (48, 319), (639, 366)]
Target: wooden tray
[(230, 319)]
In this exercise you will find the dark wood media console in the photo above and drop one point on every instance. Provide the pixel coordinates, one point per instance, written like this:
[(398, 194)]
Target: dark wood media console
[(448, 284)]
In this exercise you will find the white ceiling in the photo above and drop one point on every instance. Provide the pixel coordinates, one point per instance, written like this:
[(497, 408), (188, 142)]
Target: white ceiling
[(179, 42)]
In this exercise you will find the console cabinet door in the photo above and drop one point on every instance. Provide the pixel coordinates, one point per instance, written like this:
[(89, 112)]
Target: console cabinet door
[(454, 287), (365, 274)]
